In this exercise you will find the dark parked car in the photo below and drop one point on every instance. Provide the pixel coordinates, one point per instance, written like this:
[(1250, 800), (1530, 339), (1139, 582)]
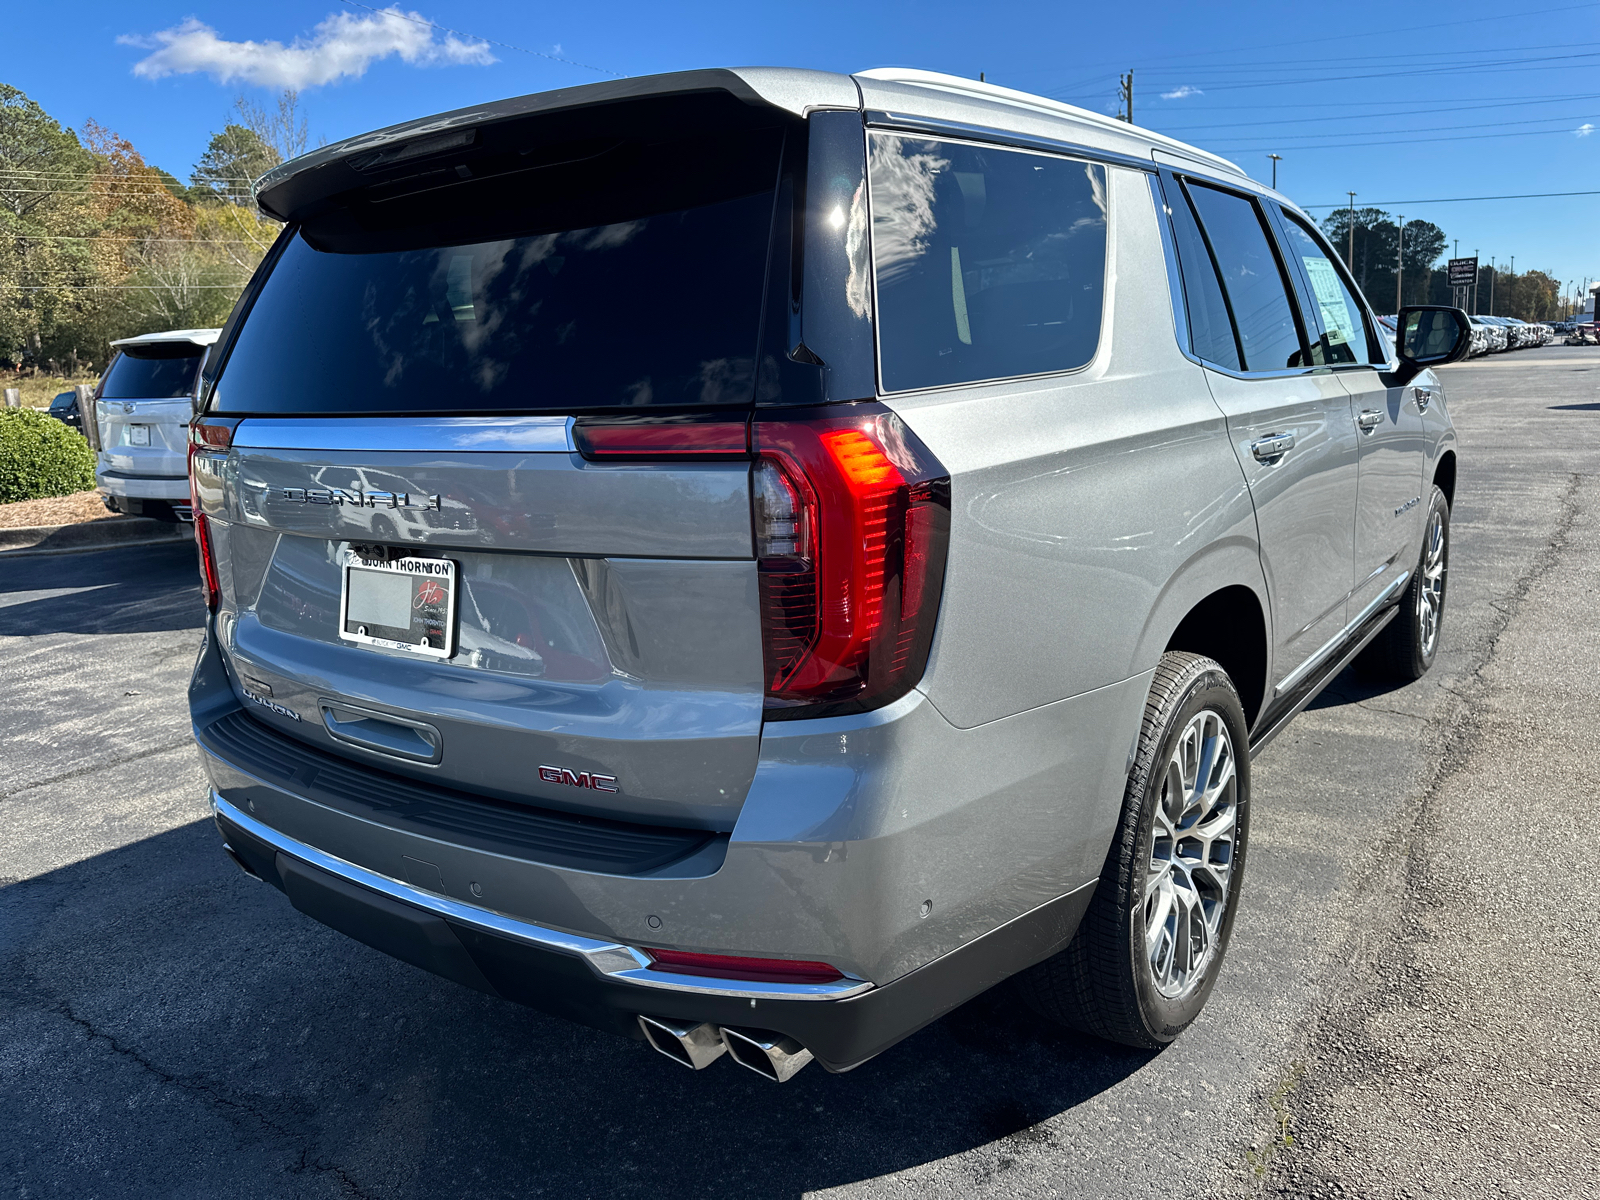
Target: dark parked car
[(64, 408)]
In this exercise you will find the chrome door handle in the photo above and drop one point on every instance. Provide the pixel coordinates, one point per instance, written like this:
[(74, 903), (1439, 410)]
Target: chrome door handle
[(1272, 447), (1370, 419)]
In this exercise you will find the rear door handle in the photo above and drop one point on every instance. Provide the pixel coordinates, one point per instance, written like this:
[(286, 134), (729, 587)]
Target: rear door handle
[(1272, 447), (1370, 419), (382, 733)]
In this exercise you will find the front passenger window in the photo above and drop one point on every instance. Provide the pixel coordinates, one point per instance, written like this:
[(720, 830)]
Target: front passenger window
[(1269, 335), (1344, 329)]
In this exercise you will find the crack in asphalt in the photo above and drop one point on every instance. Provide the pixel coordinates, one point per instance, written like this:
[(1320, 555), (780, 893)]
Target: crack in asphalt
[(1454, 728), (91, 769), (217, 1099)]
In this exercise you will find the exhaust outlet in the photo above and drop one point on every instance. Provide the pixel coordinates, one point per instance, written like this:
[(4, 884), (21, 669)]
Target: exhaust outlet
[(777, 1057), (695, 1045), (240, 863)]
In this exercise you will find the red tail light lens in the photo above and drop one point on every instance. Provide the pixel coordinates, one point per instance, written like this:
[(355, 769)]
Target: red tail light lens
[(661, 438), (852, 519), (727, 966), (205, 440)]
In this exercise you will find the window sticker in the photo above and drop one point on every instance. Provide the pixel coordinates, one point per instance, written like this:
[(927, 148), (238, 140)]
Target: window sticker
[(1336, 317)]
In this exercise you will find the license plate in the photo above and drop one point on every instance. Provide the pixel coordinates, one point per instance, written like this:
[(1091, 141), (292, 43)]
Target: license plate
[(402, 604), (138, 435)]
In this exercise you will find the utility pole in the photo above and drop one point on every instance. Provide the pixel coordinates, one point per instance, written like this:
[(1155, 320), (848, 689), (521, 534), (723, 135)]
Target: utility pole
[(1476, 276), (1399, 261), (1492, 274), (1276, 159), (1125, 96), (1513, 274), (1352, 263)]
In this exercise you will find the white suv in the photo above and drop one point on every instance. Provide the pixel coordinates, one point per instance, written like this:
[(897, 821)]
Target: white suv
[(142, 413)]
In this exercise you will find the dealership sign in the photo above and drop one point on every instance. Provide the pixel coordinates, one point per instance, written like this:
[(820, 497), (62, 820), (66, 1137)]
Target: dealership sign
[(1463, 272)]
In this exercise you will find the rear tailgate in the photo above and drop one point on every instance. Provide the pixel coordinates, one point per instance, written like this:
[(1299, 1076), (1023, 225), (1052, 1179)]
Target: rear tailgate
[(607, 614)]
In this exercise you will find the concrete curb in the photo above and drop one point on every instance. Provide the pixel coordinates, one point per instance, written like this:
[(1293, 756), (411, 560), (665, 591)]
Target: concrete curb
[(103, 534)]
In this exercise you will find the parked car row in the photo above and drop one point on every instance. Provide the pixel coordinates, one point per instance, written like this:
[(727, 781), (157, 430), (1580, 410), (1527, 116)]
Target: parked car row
[(1490, 335)]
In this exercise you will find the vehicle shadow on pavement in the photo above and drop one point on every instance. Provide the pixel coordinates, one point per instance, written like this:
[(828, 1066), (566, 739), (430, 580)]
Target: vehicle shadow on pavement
[(1348, 687), (131, 590), (1575, 408), (169, 1023)]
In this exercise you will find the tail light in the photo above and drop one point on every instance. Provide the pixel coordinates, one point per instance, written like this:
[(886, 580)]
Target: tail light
[(728, 966), (852, 520), (205, 438), (851, 516)]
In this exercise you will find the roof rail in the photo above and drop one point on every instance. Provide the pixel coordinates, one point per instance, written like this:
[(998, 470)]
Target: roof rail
[(1015, 99)]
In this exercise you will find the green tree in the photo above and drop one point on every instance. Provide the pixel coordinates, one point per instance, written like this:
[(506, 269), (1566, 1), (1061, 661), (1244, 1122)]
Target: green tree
[(235, 158), (1378, 252)]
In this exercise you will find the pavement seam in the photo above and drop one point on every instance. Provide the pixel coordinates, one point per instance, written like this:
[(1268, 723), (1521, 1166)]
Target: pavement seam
[(212, 1096), (1452, 728), (99, 766)]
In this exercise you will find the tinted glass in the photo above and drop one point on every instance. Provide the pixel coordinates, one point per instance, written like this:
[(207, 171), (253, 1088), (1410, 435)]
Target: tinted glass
[(530, 307), (1250, 274), (154, 372), (1210, 327), (989, 262), (1344, 328)]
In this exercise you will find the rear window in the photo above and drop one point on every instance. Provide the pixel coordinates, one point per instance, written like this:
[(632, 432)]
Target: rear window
[(632, 278), (157, 371), (990, 263)]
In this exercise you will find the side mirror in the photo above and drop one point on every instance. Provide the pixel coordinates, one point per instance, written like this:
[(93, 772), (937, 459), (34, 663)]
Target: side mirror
[(1430, 335)]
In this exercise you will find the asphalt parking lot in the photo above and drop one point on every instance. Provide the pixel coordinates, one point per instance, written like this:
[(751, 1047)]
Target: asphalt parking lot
[(1409, 1007)]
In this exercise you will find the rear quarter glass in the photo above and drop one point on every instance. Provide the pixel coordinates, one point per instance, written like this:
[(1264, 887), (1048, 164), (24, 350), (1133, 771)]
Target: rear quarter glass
[(635, 284)]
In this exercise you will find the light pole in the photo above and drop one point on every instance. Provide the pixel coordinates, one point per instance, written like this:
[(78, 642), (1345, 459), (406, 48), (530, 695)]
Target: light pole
[(1399, 260), (1352, 262), (1276, 159), (1477, 274), (1492, 274)]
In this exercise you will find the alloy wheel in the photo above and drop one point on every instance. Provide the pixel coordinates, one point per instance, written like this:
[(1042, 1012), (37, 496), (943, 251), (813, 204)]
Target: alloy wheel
[(1191, 855), (1430, 596)]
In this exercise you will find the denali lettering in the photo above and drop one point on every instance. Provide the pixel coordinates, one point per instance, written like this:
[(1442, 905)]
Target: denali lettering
[(1408, 505), (583, 779), (355, 498)]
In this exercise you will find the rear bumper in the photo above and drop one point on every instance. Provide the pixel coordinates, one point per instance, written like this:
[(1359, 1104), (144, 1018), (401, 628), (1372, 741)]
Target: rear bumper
[(143, 487), (607, 985)]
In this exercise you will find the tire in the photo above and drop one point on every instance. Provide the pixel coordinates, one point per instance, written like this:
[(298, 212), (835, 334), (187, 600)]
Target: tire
[(1124, 976), (1406, 648)]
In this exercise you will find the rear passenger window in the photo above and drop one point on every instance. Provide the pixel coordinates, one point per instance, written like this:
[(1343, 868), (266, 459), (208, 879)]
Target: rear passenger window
[(1268, 332), (1343, 326), (989, 262), (1210, 328)]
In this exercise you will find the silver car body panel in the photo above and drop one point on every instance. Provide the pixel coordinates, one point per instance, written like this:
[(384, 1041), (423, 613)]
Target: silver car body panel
[(1091, 511)]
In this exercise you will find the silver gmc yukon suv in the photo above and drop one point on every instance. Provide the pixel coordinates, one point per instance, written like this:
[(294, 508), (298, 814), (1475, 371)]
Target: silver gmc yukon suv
[(750, 559)]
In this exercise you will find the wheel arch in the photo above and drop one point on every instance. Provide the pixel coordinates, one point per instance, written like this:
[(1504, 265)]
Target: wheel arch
[(1216, 606), (1444, 476)]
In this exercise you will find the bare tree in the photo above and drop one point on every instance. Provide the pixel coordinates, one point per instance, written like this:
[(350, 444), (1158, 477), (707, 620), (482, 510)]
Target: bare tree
[(284, 130)]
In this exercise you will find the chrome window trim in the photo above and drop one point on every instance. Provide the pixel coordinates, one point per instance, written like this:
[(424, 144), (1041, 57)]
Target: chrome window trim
[(906, 123), (511, 435), (611, 960)]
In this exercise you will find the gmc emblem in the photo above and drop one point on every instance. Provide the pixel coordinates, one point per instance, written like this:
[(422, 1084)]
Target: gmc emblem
[(583, 779)]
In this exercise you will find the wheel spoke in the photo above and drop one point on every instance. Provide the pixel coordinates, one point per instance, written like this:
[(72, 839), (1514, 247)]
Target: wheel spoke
[(1193, 830)]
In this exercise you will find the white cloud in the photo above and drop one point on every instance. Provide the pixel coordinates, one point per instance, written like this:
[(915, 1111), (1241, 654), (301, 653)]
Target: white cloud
[(1584, 130), (1182, 93), (345, 44)]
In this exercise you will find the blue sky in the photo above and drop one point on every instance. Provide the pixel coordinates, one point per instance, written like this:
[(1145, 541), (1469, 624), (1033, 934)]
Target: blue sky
[(1482, 101)]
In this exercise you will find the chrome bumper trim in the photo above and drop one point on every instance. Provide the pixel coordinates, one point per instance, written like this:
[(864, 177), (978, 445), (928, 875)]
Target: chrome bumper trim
[(611, 960)]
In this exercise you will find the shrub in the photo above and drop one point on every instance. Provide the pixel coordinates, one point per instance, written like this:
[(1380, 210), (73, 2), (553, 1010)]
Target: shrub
[(39, 456)]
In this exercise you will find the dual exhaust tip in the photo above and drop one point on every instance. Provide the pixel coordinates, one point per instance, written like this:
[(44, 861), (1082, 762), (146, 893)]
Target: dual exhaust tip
[(699, 1044)]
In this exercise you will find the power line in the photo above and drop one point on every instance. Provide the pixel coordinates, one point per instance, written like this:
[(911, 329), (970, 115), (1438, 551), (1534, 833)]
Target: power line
[(1450, 108), (1565, 122), (389, 12), (1457, 199), (1471, 137)]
